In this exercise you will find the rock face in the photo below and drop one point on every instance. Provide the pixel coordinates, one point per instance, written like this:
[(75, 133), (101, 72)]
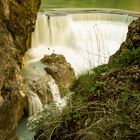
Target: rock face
[(60, 70), (17, 19)]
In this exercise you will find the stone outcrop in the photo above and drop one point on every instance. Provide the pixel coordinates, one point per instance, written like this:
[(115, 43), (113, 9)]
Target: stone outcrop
[(17, 20), (60, 70)]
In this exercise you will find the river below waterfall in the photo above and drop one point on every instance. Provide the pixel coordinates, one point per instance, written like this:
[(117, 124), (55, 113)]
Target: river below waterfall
[(23, 132)]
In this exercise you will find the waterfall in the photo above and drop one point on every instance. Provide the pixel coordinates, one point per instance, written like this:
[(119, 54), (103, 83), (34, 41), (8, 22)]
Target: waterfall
[(32, 72), (34, 103), (86, 40)]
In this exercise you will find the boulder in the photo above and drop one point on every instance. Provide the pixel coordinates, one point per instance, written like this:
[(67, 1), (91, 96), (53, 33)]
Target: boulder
[(60, 70)]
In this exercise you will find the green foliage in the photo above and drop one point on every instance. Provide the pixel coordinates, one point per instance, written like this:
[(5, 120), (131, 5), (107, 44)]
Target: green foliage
[(81, 99), (71, 116), (101, 109), (128, 57), (81, 88), (97, 71), (76, 115), (105, 112), (68, 115), (86, 84), (96, 86), (125, 96)]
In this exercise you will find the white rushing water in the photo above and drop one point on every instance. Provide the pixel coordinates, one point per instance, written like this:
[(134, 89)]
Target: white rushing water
[(86, 40), (36, 79), (60, 102), (34, 104)]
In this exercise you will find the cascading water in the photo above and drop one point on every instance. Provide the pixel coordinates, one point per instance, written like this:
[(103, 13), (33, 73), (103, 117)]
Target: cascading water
[(34, 103), (86, 40), (36, 79), (60, 102)]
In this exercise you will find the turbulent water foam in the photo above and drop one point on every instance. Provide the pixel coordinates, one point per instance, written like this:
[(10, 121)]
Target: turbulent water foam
[(86, 40)]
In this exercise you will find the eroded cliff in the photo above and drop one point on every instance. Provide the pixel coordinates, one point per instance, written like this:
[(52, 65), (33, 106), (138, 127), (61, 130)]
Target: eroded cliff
[(17, 20)]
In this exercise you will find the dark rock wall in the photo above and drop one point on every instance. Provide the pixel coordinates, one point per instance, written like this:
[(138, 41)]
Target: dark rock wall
[(17, 21)]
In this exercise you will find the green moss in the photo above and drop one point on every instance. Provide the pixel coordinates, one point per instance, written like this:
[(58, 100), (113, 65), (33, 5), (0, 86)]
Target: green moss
[(98, 71), (88, 83)]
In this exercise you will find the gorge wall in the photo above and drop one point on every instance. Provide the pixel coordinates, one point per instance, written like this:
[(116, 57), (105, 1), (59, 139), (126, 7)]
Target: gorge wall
[(17, 21)]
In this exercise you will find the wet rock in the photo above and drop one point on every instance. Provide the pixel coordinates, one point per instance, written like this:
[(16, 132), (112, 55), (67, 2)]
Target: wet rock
[(60, 70)]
